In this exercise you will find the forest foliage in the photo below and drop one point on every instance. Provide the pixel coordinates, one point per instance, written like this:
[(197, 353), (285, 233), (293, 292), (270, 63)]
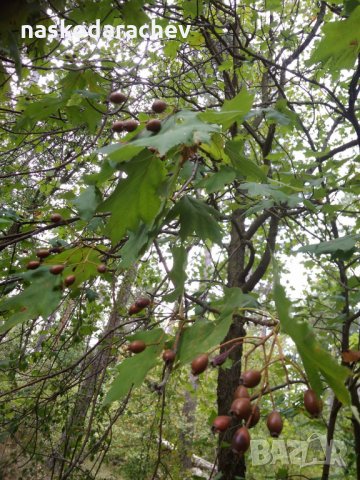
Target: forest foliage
[(220, 225)]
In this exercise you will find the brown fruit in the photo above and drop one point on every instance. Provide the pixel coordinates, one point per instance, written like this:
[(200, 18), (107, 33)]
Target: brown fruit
[(312, 403), (130, 125), (142, 302), (33, 264), (221, 423), (241, 392), (56, 269), (69, 280), (137, 346), (199, 364), (153, 125), (56, 218), (118, 126), (133, 309), (251, 378), (168, 356), (241, 408), (117, 97), (254, 417), (158, 106), (56, 249), (101, 268), (241, 440), (42, 253), (274, 423)]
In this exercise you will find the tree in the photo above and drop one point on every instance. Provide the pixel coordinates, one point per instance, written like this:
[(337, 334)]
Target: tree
[(254, 159)]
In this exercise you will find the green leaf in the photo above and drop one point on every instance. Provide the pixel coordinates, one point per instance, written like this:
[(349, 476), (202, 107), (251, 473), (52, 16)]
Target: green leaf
[(135, 245), (183, 128), (350, 6), (120, 152), (245, 166), (342, 244), (5, 222), (80, 261), (192, 8), (178, 272), (15, 54), (273, 5), (205, 334), (133, 370), (87, 202), (136, 198), (315, 359), (232, 111), (156, 335), (265, 190), (234, 298), (40, 298), (133, 13), (201, 337), (340, 43), (43, 109), (171, 48), (216, 181), (196, 217)]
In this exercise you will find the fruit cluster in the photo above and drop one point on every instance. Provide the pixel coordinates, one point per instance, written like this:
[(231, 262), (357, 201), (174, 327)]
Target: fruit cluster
[(153, 125), (43, 253), (242, 410), (243, 414)]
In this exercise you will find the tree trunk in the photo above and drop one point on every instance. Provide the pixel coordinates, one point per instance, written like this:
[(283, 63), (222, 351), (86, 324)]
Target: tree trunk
[(355, 398), (230, 464), (242, 275), (187, 433), (78, 427)]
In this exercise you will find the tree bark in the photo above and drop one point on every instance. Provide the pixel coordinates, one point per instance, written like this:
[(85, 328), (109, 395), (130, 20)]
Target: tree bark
[(78, 425), (187, 433), (355, 399), (240, 274), (229, 464)]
